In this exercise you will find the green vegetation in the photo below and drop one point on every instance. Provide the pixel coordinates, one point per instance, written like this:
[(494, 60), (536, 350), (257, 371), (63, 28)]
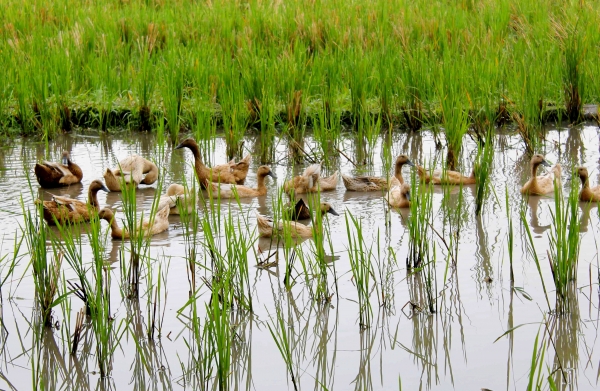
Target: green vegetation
[(260, 64)]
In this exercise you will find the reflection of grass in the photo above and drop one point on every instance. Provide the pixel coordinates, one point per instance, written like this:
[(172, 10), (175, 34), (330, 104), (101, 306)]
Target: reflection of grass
[(279, 331), (483, 168)]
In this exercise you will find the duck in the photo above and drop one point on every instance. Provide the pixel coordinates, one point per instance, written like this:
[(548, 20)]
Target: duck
[(65, 173), (587, 194), (227, 190), (399, 195), (329, 183), (228, 173), (176, 196), (541, 184), (296, 230), (150, 227), (449, 177), (445, 177), (133, 169), (371, 183), (65, 209), (300, 210), (308, 182), (239, 169)]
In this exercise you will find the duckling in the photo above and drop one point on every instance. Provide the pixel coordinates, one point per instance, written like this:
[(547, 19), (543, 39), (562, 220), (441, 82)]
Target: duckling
[(300, 210), (399, 195), (306, 183), (588, 194), (227, 190), (65, 173), (370, 183), (65, 209), (221, 175), (296, 230), (239, 169), (542, 184), (148, 226), (132, 169), (176, 195)]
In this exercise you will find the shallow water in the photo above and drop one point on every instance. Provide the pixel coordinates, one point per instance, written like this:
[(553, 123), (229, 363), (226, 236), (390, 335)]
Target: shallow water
[(403, 348)]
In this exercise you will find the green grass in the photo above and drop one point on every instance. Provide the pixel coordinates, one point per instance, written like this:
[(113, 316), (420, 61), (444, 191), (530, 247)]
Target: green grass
[(404, 62)]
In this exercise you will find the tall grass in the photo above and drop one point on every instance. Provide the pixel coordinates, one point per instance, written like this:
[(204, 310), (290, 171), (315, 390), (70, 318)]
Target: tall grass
[(69, 64)]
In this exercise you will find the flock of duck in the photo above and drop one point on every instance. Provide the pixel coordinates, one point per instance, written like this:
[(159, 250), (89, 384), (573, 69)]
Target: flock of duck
[(227, 181)]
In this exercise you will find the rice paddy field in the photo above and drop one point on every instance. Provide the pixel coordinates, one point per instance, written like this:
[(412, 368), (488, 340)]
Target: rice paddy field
[(473, 286)]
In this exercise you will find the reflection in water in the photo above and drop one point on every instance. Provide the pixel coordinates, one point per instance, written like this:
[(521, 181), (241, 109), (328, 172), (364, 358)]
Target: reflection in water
[(324, 369), (586, 208), (534, 222), (363, 379), (312, 327), (565, 331), (484, 272)]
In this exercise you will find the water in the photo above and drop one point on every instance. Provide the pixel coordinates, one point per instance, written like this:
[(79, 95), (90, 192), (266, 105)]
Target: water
[(454, 348)]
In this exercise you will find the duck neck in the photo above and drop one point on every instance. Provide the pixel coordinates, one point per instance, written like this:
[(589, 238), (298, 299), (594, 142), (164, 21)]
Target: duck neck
[(261, 187), (93, 198), (202, 172), (151, 176), (115, 231), (534, 167), (398, 172), (75, 169), (585, 183)]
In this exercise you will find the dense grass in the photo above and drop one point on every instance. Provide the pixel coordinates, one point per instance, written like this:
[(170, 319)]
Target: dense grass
[(261, 63)]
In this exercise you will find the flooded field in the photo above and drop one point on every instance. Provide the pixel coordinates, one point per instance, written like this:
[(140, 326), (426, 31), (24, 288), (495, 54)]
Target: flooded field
[(453, 323)]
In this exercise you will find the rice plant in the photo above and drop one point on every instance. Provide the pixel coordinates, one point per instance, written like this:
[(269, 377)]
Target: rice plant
[(45, 266), (360, 263), (564, 245)]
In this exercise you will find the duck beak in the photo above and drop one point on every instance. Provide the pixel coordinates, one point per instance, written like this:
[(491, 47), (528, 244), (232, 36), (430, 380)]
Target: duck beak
[(333, 212), (179, 146), (65, 161), (408, 195), (272, 175), (545, 163), (105, 189), (410, 163)]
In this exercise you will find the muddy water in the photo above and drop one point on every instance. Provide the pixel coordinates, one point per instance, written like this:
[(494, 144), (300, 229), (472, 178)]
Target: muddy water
[(455, 348)]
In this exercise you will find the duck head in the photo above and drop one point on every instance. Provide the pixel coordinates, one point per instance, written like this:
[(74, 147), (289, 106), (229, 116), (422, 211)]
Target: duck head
[(187, 143), (106, 214), (97, 185), (583, 174), (264, 171), (538, 159), (326, 208), (403, 159)]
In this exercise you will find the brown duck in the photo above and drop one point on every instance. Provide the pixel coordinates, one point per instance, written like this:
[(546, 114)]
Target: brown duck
[(51, 174), (65, 209), (227, 173)]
